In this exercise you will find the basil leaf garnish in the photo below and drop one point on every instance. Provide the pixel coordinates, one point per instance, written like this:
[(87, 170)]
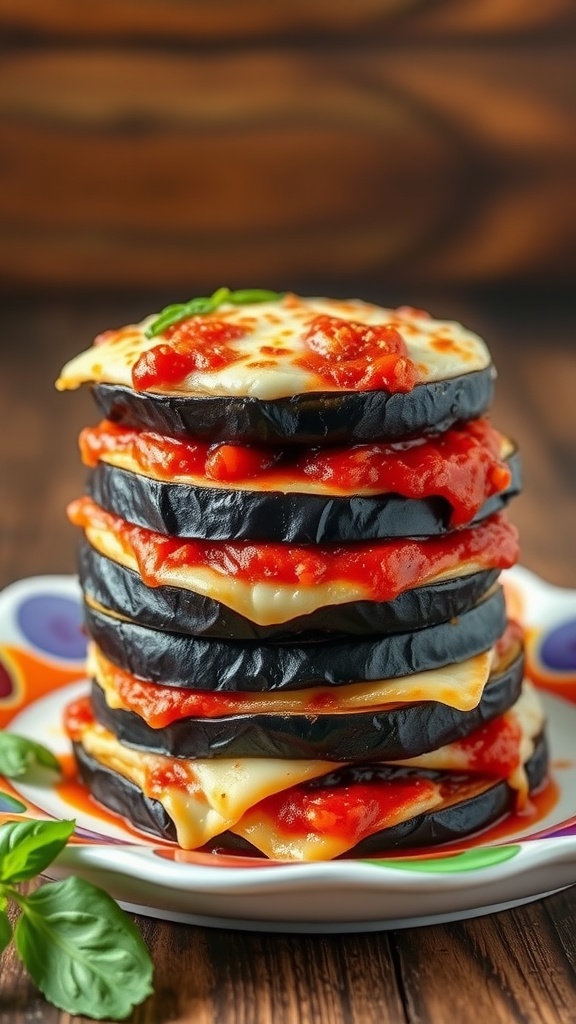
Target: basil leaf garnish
[(28, 847), (195, 307), (80, 948), (18, 754), (82, 951)]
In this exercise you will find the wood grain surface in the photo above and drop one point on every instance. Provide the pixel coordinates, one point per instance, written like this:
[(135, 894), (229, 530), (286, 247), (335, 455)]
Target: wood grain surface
[(517, 967), (196, 20), (153, 144)]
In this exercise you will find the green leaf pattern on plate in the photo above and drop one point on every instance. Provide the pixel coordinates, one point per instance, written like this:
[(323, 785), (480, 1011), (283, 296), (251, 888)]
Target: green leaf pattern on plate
[(10, 804), (451, 863)]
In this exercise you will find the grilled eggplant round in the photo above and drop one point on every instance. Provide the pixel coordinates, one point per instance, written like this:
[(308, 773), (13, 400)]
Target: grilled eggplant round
[(393, 733), (175, 659), (178, 610), (480, 804), (311, 419), (217, 513)]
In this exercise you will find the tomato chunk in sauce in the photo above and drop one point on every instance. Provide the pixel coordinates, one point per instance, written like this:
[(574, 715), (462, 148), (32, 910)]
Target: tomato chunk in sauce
[(352, 355), (194, 344)]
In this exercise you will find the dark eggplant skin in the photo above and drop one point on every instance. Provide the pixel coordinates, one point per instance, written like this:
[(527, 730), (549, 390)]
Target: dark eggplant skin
[(183, 611), (196, 663), (444, 824), (318, 418), (214, 513), (122, 796), (402, 731)]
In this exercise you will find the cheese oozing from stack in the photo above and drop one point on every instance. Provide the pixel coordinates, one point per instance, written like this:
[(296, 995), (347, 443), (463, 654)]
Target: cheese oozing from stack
[(291, 541)]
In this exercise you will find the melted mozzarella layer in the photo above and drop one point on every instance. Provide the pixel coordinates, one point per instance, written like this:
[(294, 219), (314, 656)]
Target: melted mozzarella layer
[(217, 793), (458, 686), (441, 349), (263, 603), (224, 793)]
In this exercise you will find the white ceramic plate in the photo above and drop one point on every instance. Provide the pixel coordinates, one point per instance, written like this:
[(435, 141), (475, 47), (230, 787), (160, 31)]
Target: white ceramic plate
[(41, 667)]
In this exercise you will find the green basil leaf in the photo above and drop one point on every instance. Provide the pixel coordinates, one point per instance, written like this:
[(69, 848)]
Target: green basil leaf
[(174, 314), (5, 930), (18, 754), (197, 306), (244, 296), (220, 296), (84, 954), (172, 310), (28, 847)]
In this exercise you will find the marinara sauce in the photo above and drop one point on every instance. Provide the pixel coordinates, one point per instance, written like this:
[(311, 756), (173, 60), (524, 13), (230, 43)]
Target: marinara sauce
[(465, 465), (381, 569)]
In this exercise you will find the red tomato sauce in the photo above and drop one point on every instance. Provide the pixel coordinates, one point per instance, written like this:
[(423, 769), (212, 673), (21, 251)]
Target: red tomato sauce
[(170, 773), (464, 466), (78, 715), (494, 748), (511, 637), (189, 346), (354, 811), (160, 706), (339, 353), (383, 569), (358, 356)]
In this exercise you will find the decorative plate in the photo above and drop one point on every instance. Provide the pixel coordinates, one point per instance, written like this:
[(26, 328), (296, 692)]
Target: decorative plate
[(41, 668)]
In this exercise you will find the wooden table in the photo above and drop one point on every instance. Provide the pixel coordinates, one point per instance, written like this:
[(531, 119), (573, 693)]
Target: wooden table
[(517, 966)]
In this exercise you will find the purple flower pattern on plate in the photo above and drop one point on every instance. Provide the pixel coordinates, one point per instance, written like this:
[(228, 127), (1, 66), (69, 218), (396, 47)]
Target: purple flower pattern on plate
[(557, 649), (53, 624)]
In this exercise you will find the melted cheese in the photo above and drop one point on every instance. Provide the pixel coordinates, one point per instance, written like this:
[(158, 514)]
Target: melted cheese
[(529, 714), (219, 791), (441, 349), (263, 603), (459, 686), (279, 844), (224, 793)]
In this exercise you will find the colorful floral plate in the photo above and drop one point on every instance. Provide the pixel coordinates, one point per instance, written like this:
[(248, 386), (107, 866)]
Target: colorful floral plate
[(41, 668)]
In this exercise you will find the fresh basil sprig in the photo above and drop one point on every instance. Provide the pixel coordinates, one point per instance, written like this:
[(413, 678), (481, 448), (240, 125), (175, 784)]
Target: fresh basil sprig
[(81, 950), (194, 307), (18, 754)]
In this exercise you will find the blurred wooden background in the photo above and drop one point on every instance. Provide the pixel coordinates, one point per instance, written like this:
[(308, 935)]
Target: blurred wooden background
[(180, 144)]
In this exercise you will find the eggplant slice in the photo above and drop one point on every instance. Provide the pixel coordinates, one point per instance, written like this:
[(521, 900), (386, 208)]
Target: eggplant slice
[(178, 610), (196, 663), (481, 803), (215, 513), (310, 419), (394, 733)]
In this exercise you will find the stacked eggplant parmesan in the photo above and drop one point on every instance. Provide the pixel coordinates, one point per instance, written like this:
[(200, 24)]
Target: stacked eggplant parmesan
[(292, 538)]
